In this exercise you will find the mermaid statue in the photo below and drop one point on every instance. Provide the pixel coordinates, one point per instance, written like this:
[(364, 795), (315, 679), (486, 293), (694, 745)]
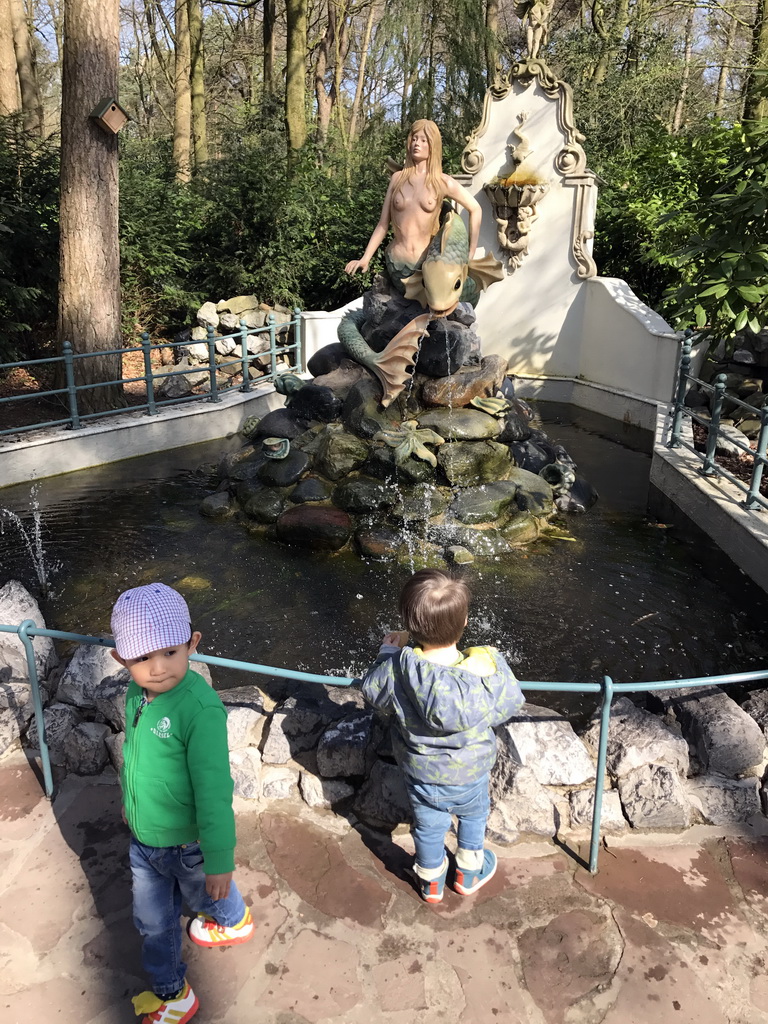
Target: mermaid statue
[(430, 258)]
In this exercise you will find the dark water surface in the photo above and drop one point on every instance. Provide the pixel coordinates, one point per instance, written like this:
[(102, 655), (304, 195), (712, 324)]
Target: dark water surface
[(626, 597)]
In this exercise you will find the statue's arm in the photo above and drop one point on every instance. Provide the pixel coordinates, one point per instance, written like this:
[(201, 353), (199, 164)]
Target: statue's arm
[(460, 195), (377, 236)]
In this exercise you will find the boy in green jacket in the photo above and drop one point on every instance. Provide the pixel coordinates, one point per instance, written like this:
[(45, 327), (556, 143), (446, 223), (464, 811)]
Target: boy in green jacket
[(177, 798)]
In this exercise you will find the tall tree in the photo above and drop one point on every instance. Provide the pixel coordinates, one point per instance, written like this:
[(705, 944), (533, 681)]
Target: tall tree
[(9, 87), (197, 75), (182, 106), (268, 38), (295, 77), (31, 101), (756, 86), (89, 288)]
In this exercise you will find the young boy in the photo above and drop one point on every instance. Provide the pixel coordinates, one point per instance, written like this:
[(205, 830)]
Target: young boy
[(444, 704), (177, 798)]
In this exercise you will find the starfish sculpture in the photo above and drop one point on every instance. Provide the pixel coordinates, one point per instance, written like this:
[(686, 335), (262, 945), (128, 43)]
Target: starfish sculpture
[(408, 439)]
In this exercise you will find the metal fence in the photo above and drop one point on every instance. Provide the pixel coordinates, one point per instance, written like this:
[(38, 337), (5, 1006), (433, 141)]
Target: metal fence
[(240, 357), (709, 467), (606, 690)]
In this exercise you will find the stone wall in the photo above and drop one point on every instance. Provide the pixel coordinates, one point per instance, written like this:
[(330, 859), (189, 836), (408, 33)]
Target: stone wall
[(696, 757)]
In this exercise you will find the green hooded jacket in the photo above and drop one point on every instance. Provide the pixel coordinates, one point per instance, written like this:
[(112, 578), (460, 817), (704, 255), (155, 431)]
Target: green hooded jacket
[(177, 786)]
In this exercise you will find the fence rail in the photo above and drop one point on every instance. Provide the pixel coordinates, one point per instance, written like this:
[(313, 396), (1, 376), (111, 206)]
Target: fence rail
[(69, 360), (607, 690), (709, 467)]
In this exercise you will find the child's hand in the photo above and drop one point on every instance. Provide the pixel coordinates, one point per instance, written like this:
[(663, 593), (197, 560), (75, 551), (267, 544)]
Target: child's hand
[(217, 886), (398, 638)]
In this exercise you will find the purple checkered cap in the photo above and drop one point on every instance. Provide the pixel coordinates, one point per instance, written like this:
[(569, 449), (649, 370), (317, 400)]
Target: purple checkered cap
[(148, 619)]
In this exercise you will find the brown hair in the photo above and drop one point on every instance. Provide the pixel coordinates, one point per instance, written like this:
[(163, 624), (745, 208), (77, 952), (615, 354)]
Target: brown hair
[(434, 607)]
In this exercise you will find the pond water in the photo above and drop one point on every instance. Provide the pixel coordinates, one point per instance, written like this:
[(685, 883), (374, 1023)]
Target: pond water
[(626, 597)]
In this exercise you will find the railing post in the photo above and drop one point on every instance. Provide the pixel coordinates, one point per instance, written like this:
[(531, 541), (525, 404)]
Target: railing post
[(602, 750), (69, 373), (709, 468), (298, 339), (211, 339), (148, 375), (246, 385), (685, 366), (45, 756), (272, 344), (751, 502)]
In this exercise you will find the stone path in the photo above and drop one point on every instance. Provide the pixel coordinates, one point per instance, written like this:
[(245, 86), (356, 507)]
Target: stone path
[(673, 933)]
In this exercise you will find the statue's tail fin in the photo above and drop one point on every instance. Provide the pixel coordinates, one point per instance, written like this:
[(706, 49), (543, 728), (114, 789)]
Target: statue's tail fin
[(393, 366)]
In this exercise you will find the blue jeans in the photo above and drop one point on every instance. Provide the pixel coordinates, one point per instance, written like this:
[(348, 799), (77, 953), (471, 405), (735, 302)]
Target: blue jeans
[(433, 806), (162, 876)]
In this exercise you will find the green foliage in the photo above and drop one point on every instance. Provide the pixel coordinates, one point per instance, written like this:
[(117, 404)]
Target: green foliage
[(29, 211), (724, 264), (158, 255)]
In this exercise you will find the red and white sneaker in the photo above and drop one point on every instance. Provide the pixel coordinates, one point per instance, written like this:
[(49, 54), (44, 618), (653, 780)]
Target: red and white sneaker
[(170, 1011), (206, 932)]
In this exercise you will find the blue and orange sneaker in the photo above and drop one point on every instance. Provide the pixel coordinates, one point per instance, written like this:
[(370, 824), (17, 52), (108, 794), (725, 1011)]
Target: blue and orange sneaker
[(466, 882), (431, 889)]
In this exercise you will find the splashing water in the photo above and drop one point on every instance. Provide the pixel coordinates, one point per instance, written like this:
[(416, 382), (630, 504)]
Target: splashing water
[(32, 535)]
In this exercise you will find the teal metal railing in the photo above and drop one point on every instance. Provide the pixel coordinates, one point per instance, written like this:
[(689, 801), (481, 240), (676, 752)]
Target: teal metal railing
[(607, 690), (754, 499), (69, 360)]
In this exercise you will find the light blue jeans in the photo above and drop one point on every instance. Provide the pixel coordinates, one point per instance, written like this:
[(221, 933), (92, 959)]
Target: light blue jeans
[(433, 806), (162, 877)]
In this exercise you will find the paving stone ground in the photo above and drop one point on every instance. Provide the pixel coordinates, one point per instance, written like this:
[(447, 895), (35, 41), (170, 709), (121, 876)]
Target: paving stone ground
[(663, 934)]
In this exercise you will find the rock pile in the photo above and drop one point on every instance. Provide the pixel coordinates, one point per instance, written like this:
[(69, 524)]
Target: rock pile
[(700, 759), (746, 373), (225, 318), (453, 470)]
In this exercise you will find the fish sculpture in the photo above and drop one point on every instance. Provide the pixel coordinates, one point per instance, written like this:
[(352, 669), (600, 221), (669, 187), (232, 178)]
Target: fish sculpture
[(445, 277)]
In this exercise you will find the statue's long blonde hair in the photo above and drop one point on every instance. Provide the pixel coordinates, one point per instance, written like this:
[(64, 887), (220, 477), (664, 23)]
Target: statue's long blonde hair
[(434, 160)]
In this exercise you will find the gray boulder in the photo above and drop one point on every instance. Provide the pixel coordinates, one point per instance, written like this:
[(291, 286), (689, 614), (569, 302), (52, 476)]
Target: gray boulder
[(249, 696), (296, 725), (85, 749), (726, 739), (612, 818), (109, 697), (245, 768), (520, 803), (723, 801), (12, 725), (59, 721), (83, 677), (323, 793), (654, 797), (545, 742), (345, 747), (16, 605), (637, 738), (756, 706), (382, 801), (244, 726), (114, 743), (278, 783)]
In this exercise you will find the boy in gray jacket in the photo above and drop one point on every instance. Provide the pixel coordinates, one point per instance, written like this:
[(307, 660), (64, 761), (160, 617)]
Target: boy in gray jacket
[(443, 704)]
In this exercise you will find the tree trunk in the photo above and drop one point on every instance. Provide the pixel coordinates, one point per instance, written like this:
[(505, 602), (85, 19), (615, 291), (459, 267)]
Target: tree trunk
[(361, 76), (31, 101), (756, 84), (268, 36), (677, 120), (611, 41), (182, 104), (89, 287), (722, 78), (322, 97), (197, 77), (491, 39), (10, 102), (295, 78)]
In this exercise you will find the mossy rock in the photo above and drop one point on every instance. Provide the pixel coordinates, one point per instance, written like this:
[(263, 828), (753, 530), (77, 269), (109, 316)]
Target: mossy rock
[(467, 463)]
